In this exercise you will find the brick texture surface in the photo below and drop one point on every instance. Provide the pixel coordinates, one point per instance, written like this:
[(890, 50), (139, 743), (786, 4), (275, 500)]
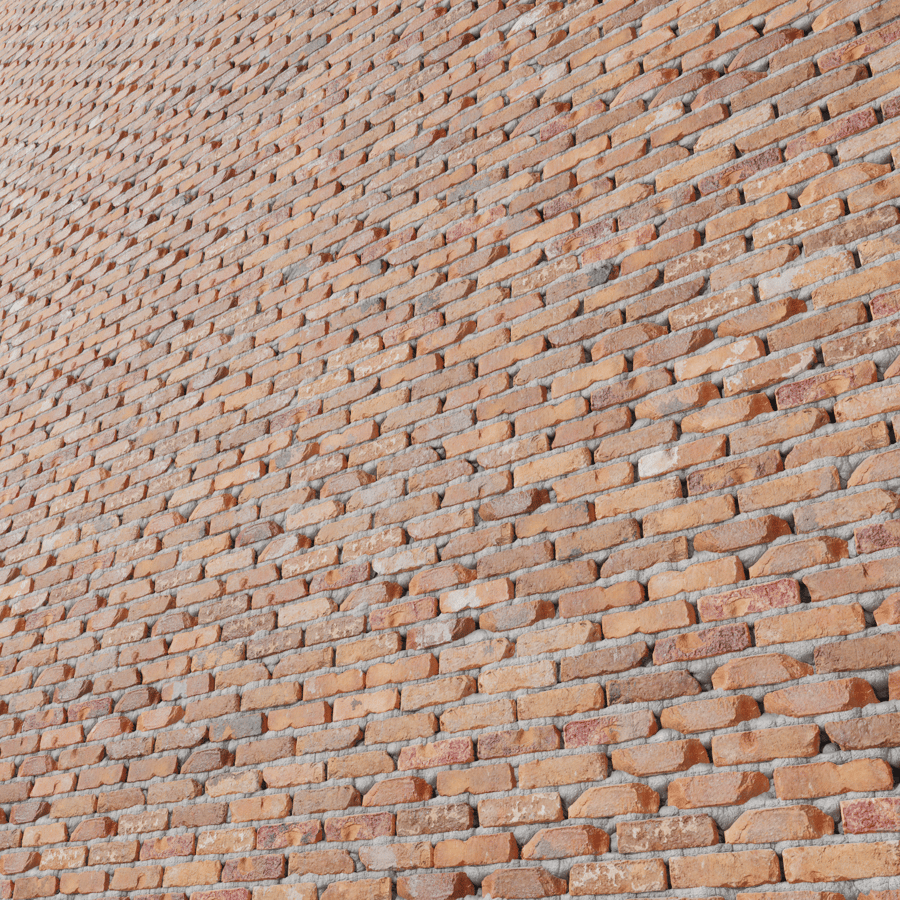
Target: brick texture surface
[(447, 449)]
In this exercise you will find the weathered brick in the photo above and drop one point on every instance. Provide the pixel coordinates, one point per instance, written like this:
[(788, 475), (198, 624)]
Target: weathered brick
[(524, 882), (566, 842), (748, 868), (825, 779), (815, 623), (564, 770), (764, 744), (845, 862), (479, 780), (701, 644), (707, 715), (673, 833), (872, 731), (719, 789), (513, 743), (479, 850), (439, 819), (834, 696), (661, 686), (870, 815), (617, 877), (658, 758)]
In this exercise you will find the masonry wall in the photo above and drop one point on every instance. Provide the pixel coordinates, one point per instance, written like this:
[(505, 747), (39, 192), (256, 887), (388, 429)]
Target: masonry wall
[(450, 450)]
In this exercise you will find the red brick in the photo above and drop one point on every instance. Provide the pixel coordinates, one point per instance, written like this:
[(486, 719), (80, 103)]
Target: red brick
[(627, 877), (359, 827), (765, 744), (439, 753), (719, 789), (438, 819), (179, 380), (512, 743), (479, 850), (479, 780), (810, 624), (870, 815), (702, 644), (672, 833), (873, 731), (833, 696), (706, 715), (439, 886), (363, 889), (825, 779), (655, 686), (564, 770), (835, 863), (791, 823), (658, 758), (566, 842), (748, 868), (522, 882)]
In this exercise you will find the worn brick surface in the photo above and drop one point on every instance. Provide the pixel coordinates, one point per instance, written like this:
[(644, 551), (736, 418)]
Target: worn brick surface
[(447, 450)]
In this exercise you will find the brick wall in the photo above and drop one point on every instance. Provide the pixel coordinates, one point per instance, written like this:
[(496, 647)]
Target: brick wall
[(450, 450)]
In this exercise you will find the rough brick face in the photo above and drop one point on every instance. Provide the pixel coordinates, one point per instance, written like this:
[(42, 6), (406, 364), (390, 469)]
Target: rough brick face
[(446, 450)]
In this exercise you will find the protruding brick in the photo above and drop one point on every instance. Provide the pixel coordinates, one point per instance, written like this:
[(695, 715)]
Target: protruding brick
[(662, 686), (796, 555), (863, 733), (584, 767), (818, 622), (436, 819), (363, 889), (701, 644), (614, 729), (359, 827), (405, 855), (476, 780), (391, 792), (439, 753), (512, 743)]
